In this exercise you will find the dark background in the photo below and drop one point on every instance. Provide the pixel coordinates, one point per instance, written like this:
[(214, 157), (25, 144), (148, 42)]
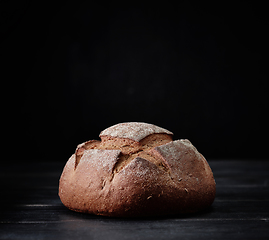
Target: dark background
[(73, 69)]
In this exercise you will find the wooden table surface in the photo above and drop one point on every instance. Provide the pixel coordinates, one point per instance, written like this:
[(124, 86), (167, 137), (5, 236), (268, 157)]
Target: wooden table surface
[(31, 209)]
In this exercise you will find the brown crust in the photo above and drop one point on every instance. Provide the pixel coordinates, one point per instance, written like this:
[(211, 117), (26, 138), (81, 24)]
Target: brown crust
[(124, 178)]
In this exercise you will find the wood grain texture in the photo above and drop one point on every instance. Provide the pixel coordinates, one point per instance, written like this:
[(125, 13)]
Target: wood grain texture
[(30, 208)]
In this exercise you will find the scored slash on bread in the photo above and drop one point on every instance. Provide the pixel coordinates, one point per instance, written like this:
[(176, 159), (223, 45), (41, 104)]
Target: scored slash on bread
[(136, 170)]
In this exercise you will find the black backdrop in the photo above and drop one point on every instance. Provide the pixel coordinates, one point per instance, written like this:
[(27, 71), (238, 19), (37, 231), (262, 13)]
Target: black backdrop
[(74, 69)]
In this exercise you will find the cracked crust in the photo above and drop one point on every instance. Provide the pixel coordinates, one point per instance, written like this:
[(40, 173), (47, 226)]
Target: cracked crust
[(122, 177)]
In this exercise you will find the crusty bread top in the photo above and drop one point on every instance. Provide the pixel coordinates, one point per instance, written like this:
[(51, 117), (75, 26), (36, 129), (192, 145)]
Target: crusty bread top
[(136, 170), (133, 130)]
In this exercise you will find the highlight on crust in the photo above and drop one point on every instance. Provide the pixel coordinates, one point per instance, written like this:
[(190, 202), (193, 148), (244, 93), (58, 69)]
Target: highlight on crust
[(136, 170)]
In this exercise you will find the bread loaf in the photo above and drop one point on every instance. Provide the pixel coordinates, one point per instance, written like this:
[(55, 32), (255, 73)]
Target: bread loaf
[(136, 170)]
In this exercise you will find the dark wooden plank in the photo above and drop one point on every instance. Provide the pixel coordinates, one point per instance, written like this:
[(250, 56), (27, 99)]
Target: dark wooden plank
[(30, 208), (144, 229), (220, 210)]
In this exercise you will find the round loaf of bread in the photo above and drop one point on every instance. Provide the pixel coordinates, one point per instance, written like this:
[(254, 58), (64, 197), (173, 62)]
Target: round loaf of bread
[(136, 170)]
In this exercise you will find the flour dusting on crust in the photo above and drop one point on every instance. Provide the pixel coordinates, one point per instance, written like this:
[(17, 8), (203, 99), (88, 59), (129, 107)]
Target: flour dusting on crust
[(101, 159), (133, 130), (175, 149)]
